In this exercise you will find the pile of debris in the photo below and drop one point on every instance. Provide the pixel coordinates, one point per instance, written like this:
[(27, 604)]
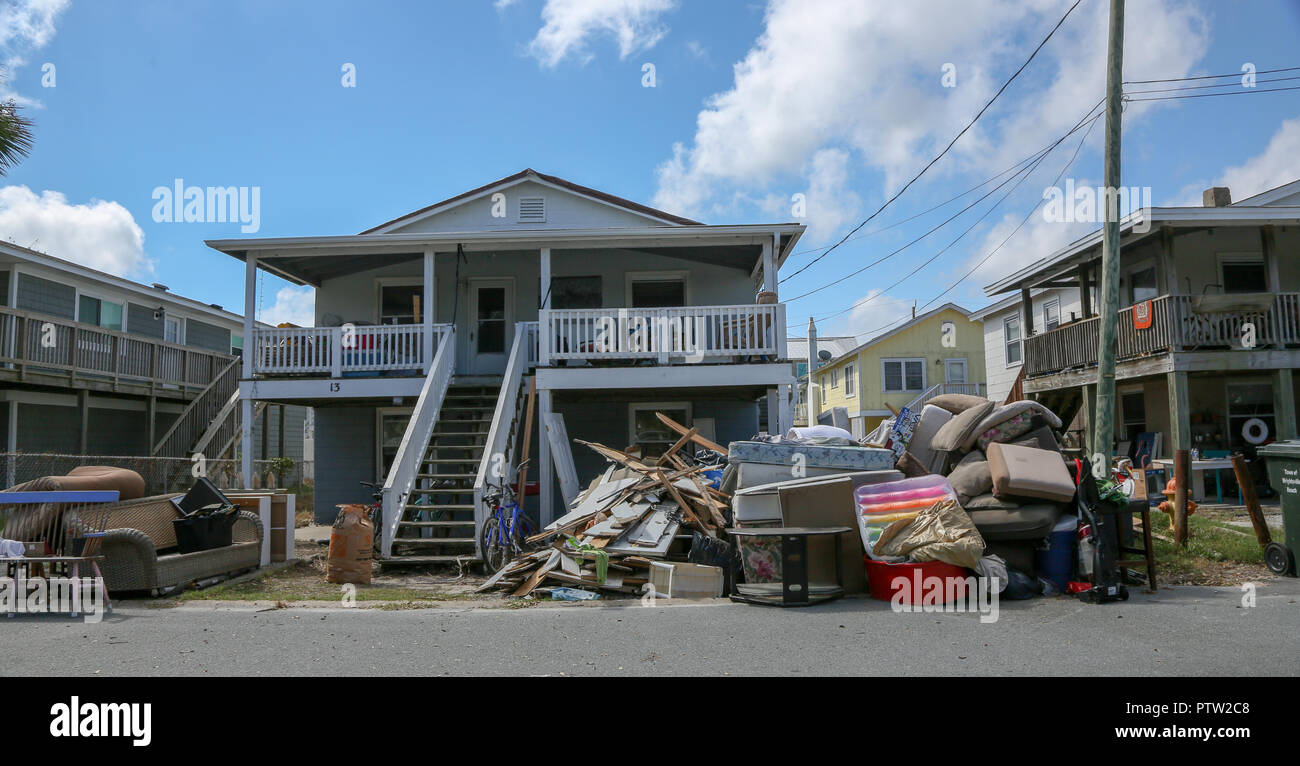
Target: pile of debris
[(628, 517)]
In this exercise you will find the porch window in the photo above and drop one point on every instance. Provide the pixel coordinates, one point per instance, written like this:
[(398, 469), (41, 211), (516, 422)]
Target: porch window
[(1246, 401), (1133, 411), (648, 432), (1052, 314), (1142, 285), (1011, 337), (172, 331), (902, 375), (101, 313), (576, 293), (400, 304), (655, 292), (850, 381), (1242, 274)]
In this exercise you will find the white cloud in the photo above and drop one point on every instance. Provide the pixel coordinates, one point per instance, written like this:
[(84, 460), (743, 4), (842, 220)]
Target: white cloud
[(568, 25), (875, 313), (867, 76), (1278, 164), (292, 304), (26, 26), (100, 234)]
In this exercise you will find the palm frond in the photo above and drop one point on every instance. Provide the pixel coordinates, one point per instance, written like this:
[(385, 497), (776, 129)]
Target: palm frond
[(15, 136)]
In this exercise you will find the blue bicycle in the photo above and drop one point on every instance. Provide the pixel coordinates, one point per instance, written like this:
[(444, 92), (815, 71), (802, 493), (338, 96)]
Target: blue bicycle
[(506, 527)]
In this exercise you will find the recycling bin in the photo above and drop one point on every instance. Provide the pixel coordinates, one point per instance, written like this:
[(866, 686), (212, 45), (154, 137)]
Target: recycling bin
[(1283, 462)]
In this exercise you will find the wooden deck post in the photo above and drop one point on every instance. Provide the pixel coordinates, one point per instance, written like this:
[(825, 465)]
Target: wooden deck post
[(1180, 422), (1248, 496), (1182, 474)]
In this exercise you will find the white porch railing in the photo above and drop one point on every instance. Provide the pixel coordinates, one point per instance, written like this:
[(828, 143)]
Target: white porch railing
[(687, 333), (410, 454), (970, 389), (334, 351), (497, 464)]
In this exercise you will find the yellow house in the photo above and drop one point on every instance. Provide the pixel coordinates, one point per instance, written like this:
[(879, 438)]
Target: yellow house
[(941, 351)]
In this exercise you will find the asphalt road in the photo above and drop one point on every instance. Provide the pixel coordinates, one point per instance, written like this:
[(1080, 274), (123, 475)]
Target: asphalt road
[(1179, 631)]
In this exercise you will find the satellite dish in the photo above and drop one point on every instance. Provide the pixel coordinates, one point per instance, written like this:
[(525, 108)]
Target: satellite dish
[(824, 355)]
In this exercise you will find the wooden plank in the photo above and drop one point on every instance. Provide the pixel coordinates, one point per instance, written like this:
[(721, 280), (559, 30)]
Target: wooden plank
[(681, 442), (1182, 474), (681, 429), (562, 456), (1251, 499)]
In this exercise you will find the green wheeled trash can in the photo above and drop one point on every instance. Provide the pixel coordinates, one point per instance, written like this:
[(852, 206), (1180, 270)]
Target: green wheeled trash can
[(1283, 462)]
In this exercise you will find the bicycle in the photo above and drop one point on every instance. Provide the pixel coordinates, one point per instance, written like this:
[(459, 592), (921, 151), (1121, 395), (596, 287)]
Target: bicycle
[(506, 527), (376, 513)]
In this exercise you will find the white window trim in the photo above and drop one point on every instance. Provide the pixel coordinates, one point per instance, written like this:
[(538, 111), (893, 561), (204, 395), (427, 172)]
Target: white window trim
[(180, 328), (657, 276), (903, 369), (1052, 302), (1019, 341), (850, 388), (1239, 257), (382, 282), (634, 407)]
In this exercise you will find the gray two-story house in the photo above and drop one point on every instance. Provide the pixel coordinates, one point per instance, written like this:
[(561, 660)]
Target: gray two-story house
[(432, 328)]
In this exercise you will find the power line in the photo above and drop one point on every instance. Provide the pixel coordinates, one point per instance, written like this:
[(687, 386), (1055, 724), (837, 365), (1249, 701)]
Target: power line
[(1215, 85), (1250, 92), (941, 154), (1073, 157), (1211, 76), (1036, 158)]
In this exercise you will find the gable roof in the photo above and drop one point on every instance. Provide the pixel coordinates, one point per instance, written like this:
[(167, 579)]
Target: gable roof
[(909, 323), (1271, 196), (528, 174)]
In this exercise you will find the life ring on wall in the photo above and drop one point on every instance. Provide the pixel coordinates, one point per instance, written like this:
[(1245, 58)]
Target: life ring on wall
[(1254, 431)]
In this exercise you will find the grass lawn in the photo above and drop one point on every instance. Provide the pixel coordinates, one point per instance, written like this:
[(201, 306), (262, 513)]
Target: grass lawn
[(1217, 553)]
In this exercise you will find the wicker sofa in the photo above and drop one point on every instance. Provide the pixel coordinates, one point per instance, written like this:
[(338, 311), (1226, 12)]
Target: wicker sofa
[(139, 548)]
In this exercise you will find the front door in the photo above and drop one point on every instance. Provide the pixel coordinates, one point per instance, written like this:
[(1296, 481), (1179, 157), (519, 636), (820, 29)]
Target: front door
[(491, 325)]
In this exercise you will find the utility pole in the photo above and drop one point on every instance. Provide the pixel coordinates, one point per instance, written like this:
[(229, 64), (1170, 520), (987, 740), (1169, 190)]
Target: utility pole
[(810, 401), (1102, 439)]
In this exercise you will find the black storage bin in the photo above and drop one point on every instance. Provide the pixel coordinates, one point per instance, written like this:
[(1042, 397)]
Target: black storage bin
[(201, 495), (202, 533)]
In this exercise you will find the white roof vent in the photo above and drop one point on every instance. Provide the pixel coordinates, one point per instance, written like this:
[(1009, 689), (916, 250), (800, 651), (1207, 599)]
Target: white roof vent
[(532, 210)]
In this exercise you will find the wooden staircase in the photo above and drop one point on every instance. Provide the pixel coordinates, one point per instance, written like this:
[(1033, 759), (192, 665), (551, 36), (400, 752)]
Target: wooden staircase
[(437, 524)]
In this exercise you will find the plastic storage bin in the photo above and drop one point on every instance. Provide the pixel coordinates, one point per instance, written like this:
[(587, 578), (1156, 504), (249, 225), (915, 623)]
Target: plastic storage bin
[(880, 505), (680, 580), (1055, 560), (883, 581)]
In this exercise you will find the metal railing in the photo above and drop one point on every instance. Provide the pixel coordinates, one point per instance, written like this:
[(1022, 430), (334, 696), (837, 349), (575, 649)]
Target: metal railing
[(410, 454), (689, 333), (1176, 323), (32, 343), (938, 389), (334, 351)]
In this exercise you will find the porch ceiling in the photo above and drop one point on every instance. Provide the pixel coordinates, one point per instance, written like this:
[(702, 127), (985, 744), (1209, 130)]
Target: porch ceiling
[(310, 260)]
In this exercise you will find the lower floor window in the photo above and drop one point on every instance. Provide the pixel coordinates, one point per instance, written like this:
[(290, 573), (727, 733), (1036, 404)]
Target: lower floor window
[(648, 432)]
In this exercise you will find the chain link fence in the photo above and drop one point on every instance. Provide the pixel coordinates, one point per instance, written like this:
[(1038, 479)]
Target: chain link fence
[(163, 475)]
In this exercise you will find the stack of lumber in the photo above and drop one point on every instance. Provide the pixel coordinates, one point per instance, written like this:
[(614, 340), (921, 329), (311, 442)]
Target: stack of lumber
[(628, 517)]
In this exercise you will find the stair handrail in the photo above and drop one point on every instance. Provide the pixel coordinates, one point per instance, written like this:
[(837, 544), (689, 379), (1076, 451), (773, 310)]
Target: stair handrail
[(210, 401), (410, 454), (945, 388), (498, 439)]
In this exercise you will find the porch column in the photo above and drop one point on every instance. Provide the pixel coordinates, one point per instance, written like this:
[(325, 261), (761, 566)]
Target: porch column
[(428, 304), (1027, 305), (786, 405), (773, 413), (769, 265), (1085, 290), (546, 466), (1167, 258), (1284, 404), (83, 408), (544, 306), (1180, 418), (250, 310), (246, 440), (1268, 245)]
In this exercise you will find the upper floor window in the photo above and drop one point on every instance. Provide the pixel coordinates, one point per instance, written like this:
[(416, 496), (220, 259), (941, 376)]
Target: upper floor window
[(1142, 285), (653, 291), (835, 378), (850, 380), (400, 304), (172, 330), (1052, 314), (100, 312), (1011, 337), (902, 375), (1243, 273)]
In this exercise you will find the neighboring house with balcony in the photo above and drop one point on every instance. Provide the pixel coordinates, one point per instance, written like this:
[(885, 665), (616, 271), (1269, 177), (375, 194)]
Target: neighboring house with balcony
[(430, 327), (831, 346), (940, 351), (94, 364), (1194, 283)]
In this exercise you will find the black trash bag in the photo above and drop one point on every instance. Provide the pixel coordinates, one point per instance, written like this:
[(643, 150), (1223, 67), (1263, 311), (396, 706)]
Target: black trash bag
[(1021, 586), (710, 551)]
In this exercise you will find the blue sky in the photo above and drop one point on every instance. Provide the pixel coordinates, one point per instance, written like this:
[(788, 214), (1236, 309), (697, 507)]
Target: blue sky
[(752, 103)]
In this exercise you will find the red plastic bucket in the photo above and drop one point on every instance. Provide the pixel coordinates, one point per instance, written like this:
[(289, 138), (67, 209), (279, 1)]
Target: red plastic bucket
[(884, 581)]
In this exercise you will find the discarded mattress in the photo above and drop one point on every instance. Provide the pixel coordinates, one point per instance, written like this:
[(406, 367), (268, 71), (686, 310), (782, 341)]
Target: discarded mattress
[(812, 456), (1029, 472)]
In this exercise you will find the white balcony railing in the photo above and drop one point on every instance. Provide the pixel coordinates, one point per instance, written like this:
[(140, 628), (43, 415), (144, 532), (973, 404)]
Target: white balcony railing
[(687, 333), (334, 351)]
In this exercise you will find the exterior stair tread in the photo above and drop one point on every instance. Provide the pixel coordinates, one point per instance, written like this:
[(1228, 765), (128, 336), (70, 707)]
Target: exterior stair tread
[(424, 559), (433, 540), (444, 507), (465, 523)]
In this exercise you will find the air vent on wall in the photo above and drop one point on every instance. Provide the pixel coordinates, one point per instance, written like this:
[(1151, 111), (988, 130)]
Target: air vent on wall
[(532, 210)]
